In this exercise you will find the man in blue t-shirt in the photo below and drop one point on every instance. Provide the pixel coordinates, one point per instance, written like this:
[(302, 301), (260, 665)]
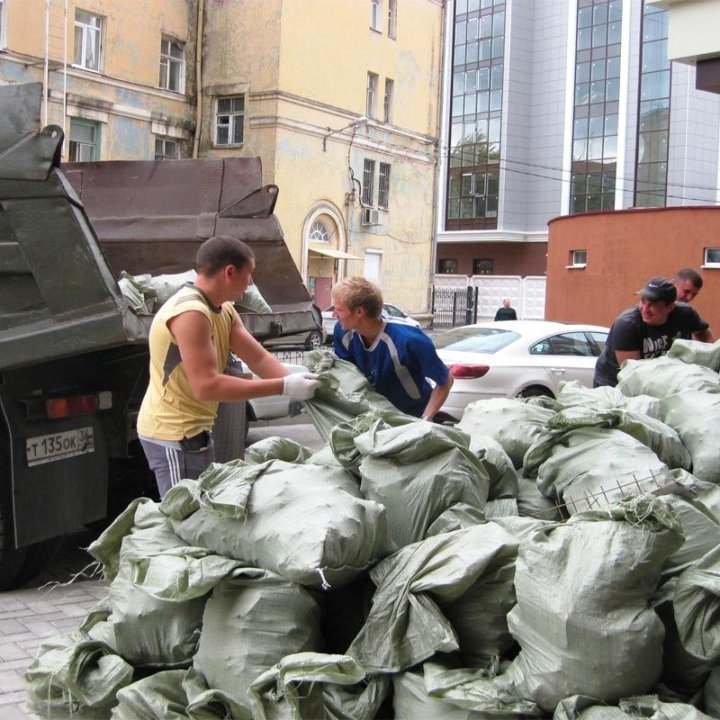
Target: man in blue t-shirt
[(396, 359), (648, 330)]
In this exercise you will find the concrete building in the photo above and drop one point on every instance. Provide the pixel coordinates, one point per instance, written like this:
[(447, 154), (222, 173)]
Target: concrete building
[(339, 98), (693, 38), (560, 108)]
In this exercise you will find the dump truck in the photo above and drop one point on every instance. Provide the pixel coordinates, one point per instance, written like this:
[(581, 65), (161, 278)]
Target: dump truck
[(73, 352)]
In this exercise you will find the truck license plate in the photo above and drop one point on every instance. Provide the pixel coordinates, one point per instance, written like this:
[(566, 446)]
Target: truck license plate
[(58, 446)]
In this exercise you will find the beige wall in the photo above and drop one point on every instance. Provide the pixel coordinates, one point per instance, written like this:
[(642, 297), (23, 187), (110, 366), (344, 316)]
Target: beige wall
[(124, 97), (132, 32), (304, 68)]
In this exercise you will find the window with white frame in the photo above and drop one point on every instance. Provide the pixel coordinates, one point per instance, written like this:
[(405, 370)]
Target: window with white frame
[(384, 186), (392, 19), (370, 182), (388, 100), (578, 258), (372, 89), (712, 257), (368, 186), (376, 15), (84, 143), (166, 149), (229, 120), (88, 40), (319, 233), (172, 64)]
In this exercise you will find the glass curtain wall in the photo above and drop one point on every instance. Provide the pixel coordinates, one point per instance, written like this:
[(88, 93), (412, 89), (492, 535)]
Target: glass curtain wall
[(653, 111), (597, 94), (474, 152)]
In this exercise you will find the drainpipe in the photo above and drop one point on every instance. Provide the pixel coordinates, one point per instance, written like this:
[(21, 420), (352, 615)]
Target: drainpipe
[(198, 78)]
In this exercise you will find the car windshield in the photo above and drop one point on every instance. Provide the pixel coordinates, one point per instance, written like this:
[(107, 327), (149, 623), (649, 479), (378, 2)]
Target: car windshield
[(471, 339)]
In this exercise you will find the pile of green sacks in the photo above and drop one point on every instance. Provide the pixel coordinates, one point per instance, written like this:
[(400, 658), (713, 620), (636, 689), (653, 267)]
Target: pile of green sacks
[(545, 558)]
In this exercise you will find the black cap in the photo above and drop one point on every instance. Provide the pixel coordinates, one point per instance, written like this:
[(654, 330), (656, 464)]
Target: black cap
[(658, 289)]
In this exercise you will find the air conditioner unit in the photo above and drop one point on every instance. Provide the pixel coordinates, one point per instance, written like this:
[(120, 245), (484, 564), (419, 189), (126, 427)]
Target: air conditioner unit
[(370, 217)]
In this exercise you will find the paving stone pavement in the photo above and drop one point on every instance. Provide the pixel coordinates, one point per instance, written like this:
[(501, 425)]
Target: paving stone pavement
[(51, 605), (38, 612)]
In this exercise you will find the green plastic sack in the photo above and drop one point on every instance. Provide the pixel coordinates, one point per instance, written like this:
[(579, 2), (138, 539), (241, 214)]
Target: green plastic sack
[(277, 448), (419, 471), (663, 376), (575, 394), (498, 465), (413, 699), (75, 677), (156, 600), (649, 707), (696, 418), (176, 695), (312, 527), (465, 577), (589, 467), (697, 352), (343, 394), (514, 423), (697, 607), (293, 688), (252, 620), (583, 617)]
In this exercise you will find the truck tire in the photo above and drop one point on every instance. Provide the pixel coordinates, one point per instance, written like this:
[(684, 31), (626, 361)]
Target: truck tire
[(11, 560), (17, 566)]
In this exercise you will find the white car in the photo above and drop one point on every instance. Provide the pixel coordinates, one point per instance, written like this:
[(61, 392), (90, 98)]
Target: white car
[(516, 358), (389, 312)]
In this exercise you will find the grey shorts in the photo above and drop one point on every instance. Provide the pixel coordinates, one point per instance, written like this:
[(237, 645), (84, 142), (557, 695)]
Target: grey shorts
[(173, 461)]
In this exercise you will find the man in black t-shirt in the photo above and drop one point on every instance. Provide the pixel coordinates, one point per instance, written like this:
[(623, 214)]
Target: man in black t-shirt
[(648, 330)]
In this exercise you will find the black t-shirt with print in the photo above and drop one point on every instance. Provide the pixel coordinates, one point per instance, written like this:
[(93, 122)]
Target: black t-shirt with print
[(629, 333)]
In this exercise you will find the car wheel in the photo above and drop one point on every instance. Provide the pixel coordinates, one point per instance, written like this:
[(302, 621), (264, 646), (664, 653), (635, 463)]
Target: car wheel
[(535, 391), (314, 340)]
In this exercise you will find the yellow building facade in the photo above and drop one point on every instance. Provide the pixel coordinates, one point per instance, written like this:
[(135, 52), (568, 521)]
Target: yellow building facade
[(339, 98)]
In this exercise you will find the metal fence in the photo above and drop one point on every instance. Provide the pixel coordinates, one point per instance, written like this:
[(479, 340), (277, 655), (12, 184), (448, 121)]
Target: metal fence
[(453, 306)]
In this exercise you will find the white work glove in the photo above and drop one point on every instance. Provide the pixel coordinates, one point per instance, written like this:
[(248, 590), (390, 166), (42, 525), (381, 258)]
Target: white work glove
[(300, 386)]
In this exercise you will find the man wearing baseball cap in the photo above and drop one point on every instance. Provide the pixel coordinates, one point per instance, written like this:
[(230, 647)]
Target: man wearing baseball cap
[(648, 329)]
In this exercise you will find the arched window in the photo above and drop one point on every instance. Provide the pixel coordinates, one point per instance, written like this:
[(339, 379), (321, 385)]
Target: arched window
[(319, 232)]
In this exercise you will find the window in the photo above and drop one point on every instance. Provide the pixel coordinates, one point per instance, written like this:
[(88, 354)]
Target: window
[(172, 65), (88, 40), (388, 101), (84, 141), (473, 179), (384, 186), (368, 187), (319, 233), (712, 257), (229, 120), (566, 344), (376, 15), (447, 266), (372, 87), (392, 19), (652, 146), (578, 258), (482, 267), (166, 149)]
